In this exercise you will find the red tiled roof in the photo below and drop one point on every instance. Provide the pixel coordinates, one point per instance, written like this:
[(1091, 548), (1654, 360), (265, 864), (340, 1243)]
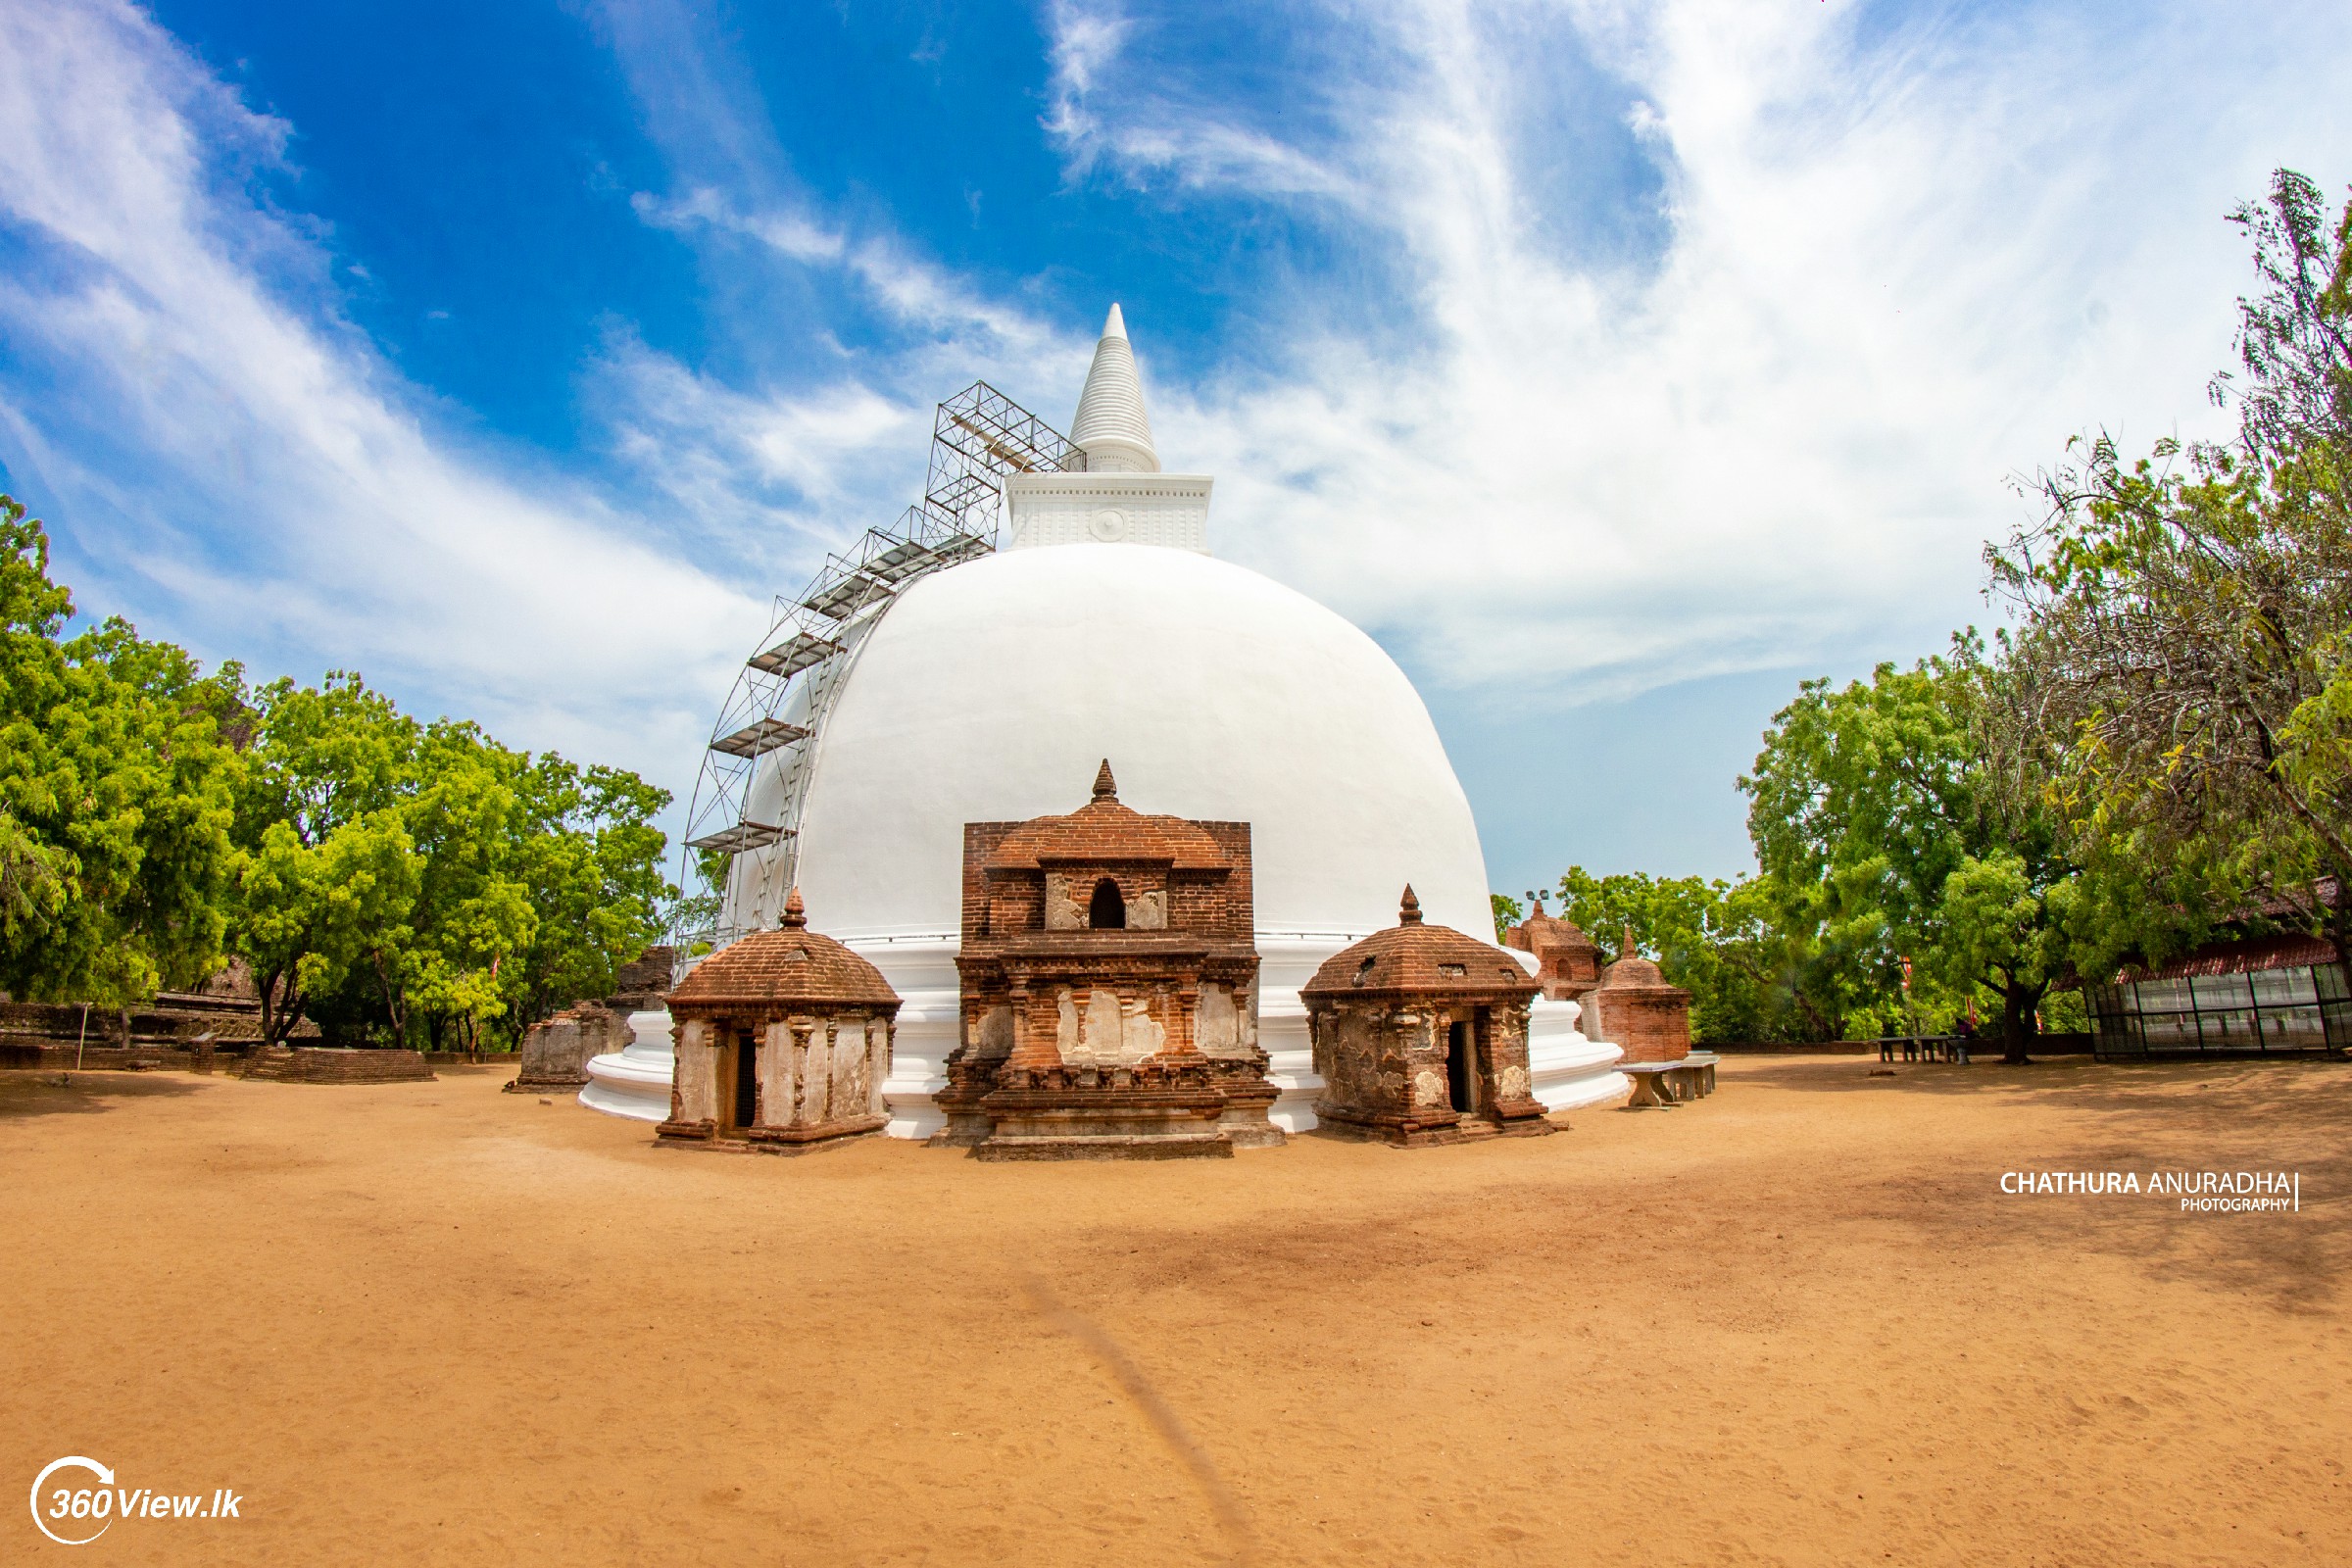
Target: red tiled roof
[(2293, 951)]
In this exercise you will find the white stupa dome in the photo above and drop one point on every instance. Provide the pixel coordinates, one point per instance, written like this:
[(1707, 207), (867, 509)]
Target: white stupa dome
[(991, 691)]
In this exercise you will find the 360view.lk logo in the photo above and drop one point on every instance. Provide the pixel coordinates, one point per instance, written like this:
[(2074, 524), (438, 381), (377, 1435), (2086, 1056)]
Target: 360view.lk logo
[(74, 1515)]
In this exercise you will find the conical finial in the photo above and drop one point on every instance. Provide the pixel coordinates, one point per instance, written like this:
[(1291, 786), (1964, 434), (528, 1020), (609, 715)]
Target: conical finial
[(1110, 426), (1628, 950), (1106, 788), (1539, 898), (1409, 913), (796, 913)]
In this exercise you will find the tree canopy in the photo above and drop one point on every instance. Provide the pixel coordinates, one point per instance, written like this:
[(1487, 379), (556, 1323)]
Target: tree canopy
[(2160, 743), (2190, 612), (117, 792), (398, 881)]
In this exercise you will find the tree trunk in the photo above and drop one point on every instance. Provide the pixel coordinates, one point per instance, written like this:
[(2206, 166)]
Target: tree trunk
[(2017, 1022), (280, 1007)]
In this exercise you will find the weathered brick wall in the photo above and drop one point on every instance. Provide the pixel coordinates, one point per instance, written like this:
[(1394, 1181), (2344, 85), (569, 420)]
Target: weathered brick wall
[(556, 1051), (324, 1065), (649, 973), (1651, 1023)]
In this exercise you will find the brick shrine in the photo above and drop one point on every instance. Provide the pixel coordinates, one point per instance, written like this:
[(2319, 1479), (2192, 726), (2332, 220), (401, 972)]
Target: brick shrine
[(1108, 976), (1567, 961), (1420, 1036), (783, 1039), (1634, 1006)]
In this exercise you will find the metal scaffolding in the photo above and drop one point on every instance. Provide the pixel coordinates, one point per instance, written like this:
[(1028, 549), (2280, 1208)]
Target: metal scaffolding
[(979, 439)]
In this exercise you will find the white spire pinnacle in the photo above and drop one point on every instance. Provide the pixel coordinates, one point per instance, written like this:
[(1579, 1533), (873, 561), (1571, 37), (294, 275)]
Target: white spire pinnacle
[(1111, 427)]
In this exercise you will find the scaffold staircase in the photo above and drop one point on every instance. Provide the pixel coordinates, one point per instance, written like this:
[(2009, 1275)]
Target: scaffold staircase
[(979, 439)]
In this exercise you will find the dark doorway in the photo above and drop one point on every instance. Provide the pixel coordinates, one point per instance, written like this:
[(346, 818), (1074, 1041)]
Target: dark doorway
[(746, 1082), (1459, 1075), (1108, 912)]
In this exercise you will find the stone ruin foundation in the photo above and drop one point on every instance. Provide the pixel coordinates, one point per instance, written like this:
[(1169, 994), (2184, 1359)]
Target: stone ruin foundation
[(337, 1064), (555, 1050)]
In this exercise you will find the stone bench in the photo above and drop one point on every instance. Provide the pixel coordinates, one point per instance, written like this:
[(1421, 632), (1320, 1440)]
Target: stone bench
[(1662, 1084), (1924, 1047)]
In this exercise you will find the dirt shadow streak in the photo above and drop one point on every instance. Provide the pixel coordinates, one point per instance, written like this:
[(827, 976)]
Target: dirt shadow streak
[(52, 1092), (1232, 1517)]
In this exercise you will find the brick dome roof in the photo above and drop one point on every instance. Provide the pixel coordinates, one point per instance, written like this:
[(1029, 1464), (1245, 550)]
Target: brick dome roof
[(791, 966), (1630, 971), (1101, 830), (1414, 956)]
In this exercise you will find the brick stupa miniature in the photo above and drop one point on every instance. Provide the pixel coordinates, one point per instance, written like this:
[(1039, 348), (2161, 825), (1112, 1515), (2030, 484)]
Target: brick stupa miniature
[(1636, 1008), (1420, 1034), (1108, 977), (783, 1041)]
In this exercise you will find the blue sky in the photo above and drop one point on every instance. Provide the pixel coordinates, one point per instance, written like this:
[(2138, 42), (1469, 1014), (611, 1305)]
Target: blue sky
[(1616, 366)]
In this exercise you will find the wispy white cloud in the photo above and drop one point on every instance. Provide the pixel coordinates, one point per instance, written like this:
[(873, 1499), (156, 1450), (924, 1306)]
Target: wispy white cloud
[(1110, 104), (226, 451), (1897, 261), (759, 478), (1903, 260)]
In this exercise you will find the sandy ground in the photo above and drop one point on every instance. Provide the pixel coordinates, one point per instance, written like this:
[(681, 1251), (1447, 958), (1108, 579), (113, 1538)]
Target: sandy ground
[(1796, 1323)]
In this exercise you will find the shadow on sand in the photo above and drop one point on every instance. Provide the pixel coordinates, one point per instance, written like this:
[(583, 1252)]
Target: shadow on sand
[(47, 1092), (2279, 1115)]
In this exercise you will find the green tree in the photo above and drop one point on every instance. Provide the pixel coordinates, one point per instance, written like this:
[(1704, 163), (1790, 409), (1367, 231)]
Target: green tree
[(513, 884), (312, 916), (1905, 818), (328, 884), (1712, 938), (1509, 913), (116, 795), (2191, 613), (591, 864)]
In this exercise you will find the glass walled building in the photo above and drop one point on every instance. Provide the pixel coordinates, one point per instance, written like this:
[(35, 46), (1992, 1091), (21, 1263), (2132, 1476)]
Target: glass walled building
[(2271, 996)]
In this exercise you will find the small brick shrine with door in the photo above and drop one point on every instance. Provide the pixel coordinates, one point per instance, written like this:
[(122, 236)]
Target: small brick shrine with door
[(1109, 975), (1567, 961), (783, 1041), (1420, 1036)]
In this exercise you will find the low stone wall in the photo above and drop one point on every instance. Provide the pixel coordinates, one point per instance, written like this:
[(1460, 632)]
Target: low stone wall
[(112, 1058), (327, 1065), (69, 1023)]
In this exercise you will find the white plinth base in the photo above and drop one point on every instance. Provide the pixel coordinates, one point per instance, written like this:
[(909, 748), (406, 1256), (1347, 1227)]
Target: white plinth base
[(1568, 1070), (634, 1080)]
